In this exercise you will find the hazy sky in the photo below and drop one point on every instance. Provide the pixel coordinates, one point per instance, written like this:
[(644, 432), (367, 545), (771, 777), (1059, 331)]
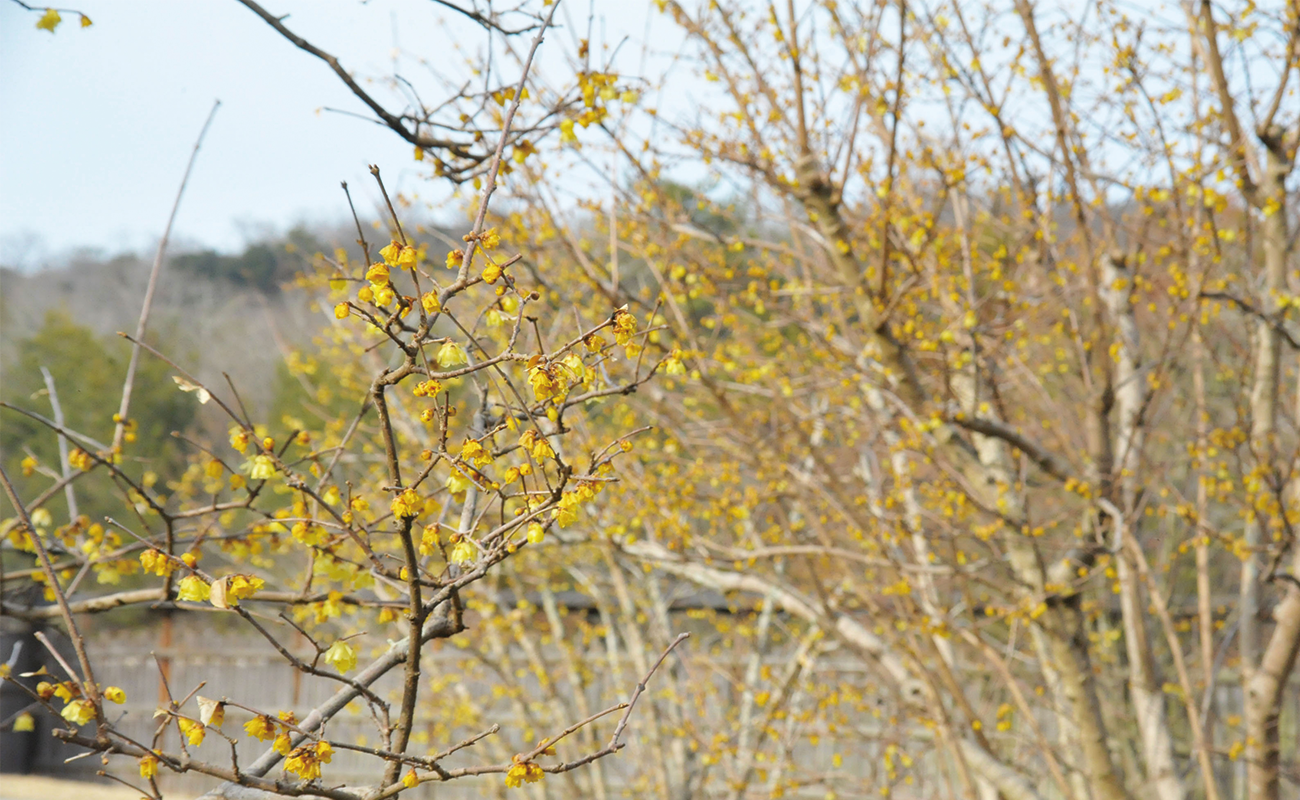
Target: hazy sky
[(96, 124)]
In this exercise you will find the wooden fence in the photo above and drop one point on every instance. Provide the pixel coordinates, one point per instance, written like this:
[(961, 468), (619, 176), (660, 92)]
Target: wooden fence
[(191, 649)]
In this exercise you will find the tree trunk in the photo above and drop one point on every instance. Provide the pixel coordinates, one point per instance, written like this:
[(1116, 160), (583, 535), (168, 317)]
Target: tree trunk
[(1130, 394), (1264, 682)]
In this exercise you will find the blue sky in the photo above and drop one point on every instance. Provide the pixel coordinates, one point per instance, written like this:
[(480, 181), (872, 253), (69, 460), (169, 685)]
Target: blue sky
[(96, 124)]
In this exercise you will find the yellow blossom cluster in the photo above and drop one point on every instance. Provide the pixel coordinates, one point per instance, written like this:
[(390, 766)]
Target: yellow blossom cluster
[(305, 761)]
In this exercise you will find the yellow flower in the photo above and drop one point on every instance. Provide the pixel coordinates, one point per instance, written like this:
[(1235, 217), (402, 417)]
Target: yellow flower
[(430, 302), (303, 763), (542, 381), (535, 443), (260, 727), (24, 722), (377, 275), (624, 326), (491, 273), (521, 772), (458, 484), (427, 389), (385, 295), (515, 777), (239, 439), (475, 453), (572, 364), (49, 21), (342, 656), (80, 459), (324, 752), (341, 311), (535, 533), (156, 563), (429, 540), (78, 712), (523, 150), (390, 253), (149, 766), (451, 355), (365, 294), (566, 132), (282, 744), (673, 364), (489, 239), (192, 731), (464, 550), (406, 258), (309, 535), (455, 258), (566, 511), (193, 589), (260, 467), (29, 466), (407, 504), (244, 586), (410, 780), (115, 694)]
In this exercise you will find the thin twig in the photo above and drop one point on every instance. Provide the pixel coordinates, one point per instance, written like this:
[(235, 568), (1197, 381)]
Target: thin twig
[(89, 689), (125, 407)]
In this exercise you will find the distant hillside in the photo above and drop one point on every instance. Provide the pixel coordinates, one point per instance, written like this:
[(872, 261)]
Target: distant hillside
[(212, 313)]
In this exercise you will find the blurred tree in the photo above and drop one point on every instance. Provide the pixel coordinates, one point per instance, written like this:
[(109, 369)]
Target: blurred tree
[(86, 369)]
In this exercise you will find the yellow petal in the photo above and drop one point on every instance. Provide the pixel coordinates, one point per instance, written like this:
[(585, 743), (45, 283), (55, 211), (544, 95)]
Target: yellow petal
[(49, 21)]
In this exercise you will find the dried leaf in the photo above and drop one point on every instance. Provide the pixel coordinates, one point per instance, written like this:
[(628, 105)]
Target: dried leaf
[(211, 712), (217, 595), (187, 386)]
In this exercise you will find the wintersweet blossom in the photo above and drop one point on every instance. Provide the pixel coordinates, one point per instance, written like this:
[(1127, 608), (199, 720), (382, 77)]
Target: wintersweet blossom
[(407, 504), (451, 354), (194, 589), (192, 730), (78, 712), (148, 766), (303, 763), (260, 727), (522, 772), (342, 656), (463, 550)]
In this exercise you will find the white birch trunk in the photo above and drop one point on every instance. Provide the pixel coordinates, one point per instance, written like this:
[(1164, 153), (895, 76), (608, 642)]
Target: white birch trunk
[(1145, 689), (1263, 683)]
